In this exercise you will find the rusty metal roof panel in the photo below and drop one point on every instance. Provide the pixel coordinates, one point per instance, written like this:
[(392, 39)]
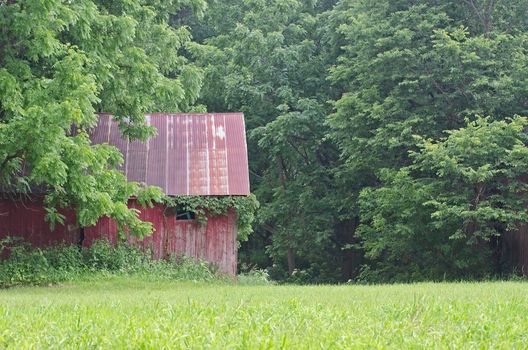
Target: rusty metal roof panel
[(192, 154)]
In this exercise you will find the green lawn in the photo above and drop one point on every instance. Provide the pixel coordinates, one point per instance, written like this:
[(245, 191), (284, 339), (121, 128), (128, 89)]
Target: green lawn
[(129, 313)]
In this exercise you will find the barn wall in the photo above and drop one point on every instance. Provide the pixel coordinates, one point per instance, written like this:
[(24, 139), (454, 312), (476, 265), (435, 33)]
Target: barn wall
[(214, 241), (24, 218), (515, 249)]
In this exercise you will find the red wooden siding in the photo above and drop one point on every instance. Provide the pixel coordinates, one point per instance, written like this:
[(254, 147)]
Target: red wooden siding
[(26, 219), (214, 241), (515, 249), (192, 154)]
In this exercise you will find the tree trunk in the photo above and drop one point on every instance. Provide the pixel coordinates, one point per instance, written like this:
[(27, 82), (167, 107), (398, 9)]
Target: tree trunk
[(81, 238), (484, 13), (472, 227), (291, 261), (351, 257)]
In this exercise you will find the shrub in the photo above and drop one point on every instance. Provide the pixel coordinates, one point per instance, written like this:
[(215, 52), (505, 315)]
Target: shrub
[(254, 277), (61, 263)]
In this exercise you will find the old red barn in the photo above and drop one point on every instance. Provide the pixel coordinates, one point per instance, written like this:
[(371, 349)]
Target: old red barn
[(192, 154)]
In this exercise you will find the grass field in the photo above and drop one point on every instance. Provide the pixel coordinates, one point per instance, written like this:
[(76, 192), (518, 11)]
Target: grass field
[(130, 313)]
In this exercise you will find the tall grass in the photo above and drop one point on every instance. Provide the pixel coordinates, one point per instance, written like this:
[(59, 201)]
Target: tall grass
[(126, 312), (27, 266)]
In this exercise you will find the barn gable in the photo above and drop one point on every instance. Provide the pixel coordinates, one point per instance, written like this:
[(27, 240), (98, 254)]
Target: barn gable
[(192, 154)]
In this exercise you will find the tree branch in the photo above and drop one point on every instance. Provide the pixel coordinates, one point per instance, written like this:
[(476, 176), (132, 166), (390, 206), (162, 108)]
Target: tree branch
[(483, 14), (9, 158)]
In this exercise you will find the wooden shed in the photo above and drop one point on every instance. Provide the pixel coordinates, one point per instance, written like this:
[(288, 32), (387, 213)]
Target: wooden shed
[(192, 154)]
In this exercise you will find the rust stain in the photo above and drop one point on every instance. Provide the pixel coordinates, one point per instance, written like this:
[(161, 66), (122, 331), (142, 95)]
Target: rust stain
[(192, 154)]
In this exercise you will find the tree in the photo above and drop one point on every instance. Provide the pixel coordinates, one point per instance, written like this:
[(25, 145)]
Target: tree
[(417, 69), (480, 171), (60, 62), (337, 96), (412, 69), (435, 219), (269, 59)]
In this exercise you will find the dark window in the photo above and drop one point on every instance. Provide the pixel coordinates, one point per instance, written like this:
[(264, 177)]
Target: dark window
[(181, 213), (185, 215)]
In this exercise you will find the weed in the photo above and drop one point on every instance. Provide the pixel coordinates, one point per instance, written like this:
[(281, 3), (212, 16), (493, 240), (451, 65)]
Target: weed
[(254, 277), (27, 266)]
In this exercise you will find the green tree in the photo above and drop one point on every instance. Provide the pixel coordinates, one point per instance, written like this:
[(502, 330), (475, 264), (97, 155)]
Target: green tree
[(480, 171), (436, 217), (270, 59), (337, 97), (60, 62), (417, 68), (412, 69)]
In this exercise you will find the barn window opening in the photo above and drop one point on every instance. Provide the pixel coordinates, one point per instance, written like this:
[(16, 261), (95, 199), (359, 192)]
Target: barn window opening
[(181, 213), (185, 215)]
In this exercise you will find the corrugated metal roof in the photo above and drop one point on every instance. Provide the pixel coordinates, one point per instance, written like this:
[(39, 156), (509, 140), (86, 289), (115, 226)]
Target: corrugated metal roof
[(192, 154)]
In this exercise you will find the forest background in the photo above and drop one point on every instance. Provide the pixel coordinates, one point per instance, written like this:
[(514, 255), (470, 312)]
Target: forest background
[(386, 138)]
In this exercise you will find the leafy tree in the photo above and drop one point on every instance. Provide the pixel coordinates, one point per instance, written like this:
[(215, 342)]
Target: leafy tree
[(418, 69), (269, 59), (411, 69), (435, 218), (60, 62), (480, 172), (400, 240), (396, 73)]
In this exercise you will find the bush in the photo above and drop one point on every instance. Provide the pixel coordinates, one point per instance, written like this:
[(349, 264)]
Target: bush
[(254, 277), (62, 263)]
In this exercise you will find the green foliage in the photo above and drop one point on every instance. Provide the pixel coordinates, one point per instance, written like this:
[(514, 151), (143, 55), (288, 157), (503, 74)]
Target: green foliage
[(254, 277), (410, 73), (27, 266), (60, 62), (479, 173), (414, 70), (436, 218), (244, 206), (269, 59), (395, 73), (401, 241)]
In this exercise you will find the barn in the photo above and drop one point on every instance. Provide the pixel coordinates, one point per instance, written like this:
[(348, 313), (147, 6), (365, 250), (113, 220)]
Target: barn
[(191, 155)]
